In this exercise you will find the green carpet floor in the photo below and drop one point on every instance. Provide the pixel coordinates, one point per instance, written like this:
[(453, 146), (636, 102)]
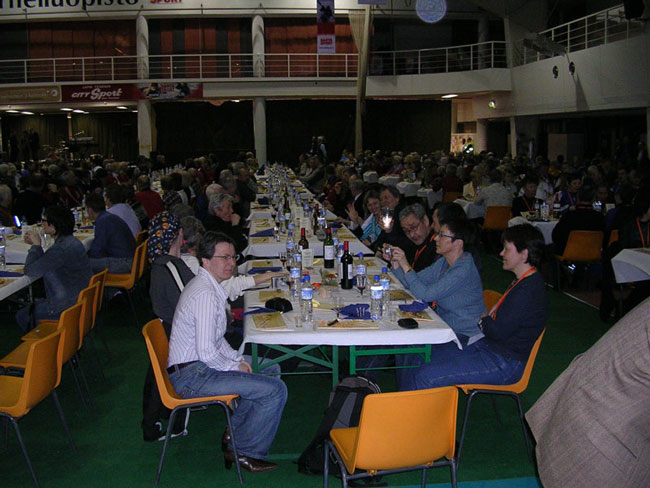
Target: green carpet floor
[(111, 452)]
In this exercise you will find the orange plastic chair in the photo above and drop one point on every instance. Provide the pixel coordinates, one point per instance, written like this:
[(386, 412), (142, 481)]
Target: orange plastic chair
[(141, 236), (513, 391), (388, 441), (450, 196), (18, 395), (490, 297), (497, 217), (613, 237), (126, 281), (158, 348), (100, 278), (583, 246)]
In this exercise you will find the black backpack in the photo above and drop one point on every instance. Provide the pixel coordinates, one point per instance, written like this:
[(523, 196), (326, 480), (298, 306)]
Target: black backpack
[(344, 410)]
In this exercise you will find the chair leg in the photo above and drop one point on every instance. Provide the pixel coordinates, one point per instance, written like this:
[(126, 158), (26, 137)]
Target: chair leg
[(76, 381), (529, 447), (168, 435), (24, 449), (97, 331), (93, 354), (83, 378), (462, 434), (326, 464), (424, 477), (453, 466), (59, 410), (135, 315), (5, 431), (226, 409), (496, 410)]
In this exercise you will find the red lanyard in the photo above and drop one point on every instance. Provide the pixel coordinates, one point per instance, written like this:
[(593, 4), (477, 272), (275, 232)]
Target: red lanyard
[(571, 202), (493, 312), (530, 209), (647, 236), (421, 250)]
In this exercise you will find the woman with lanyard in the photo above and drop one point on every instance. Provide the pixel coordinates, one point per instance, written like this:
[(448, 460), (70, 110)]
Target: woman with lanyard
[(510, 328), (369, 227)]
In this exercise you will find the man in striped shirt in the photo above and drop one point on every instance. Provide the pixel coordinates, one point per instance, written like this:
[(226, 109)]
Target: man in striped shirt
[(202, 363)]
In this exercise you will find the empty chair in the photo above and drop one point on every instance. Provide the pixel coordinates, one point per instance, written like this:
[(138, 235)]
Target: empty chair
[(388, 441), (127, 281), (583, 246)]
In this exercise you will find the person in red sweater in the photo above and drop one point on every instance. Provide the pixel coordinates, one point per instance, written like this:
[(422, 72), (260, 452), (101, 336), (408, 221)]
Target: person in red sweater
[(149, 199)]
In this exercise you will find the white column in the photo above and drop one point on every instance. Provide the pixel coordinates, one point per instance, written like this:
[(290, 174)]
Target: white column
[(513, 137), (259, 129), (480, 139), (145, 139), (142, 46), (258, 46)]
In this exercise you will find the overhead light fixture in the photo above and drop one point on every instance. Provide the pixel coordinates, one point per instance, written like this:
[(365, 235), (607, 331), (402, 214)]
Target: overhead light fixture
[(451, 95), (12, 111), (492, 104), (134, 111), (66, 109), (122, 107), (25, 112), (236, 100), (78, 111)]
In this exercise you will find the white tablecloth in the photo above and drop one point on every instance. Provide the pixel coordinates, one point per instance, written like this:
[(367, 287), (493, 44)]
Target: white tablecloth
[(432, 197), (16, 249), (546, 228), (409, 189), (632, 265), (472, 210), (389, 180), (370, 177), (10, 285)]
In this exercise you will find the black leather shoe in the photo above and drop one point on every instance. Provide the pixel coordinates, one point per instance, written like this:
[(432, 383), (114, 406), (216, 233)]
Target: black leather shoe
[(250, 464), (225, 440)]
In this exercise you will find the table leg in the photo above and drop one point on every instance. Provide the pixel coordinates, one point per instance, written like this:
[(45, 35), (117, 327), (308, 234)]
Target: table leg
[(255, 365)]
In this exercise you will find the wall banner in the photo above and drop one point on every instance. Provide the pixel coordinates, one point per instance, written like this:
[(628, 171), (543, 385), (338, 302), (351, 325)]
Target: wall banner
[(171, 91), (326, 36), (30, 94), (99, 93)]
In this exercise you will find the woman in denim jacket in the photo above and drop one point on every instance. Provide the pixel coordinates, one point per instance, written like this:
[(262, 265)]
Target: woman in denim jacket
[(64, 267)]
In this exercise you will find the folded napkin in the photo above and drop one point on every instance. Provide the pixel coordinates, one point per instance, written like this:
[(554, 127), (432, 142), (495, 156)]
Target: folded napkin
[(334, 225), (264, 270), (255, 310), (414, 307), (263, 233), (263, 201), (356, 311), (87, 227), (10, 274)]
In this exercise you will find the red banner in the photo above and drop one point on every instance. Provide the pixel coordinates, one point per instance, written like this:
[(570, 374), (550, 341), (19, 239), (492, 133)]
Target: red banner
[(326, 25)]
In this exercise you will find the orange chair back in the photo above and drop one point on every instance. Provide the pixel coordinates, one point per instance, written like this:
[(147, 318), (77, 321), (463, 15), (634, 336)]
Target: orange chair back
[(142, 265), (490, 297), (88, 300), (450, 196), (70, 320), (132, 276), (101, 279), (521, 385), (583, 245), (404, 429), (497, 217), (41, 375), (613, 237), (141, 237)]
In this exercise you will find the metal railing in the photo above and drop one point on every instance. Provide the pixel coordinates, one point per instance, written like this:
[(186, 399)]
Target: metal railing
[(603, 27), (206, 67)]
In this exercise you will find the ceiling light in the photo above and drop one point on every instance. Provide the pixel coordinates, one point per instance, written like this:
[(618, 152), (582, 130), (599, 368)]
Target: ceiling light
[(66, 109), (25, 112), (78, 111), (134, 111), (12, 111), (492, 104), (236, 101), (451, 95), (122, 107)]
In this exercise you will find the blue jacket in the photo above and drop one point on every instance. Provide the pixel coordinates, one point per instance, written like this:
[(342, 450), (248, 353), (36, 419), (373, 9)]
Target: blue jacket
[(65, 269), (457, 291), (113, 238)]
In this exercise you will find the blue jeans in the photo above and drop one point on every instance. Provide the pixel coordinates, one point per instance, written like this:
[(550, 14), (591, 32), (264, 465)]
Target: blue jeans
[(114, 265), (42, 311), (452, 366), (259, 407)]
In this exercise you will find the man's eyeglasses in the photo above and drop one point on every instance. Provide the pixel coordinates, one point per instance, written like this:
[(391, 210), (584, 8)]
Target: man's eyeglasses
[(234, 258), (453, 238)]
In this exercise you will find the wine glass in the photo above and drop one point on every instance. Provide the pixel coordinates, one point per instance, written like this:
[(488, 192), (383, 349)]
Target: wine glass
[(361, 283), (338, 305), (283, 257)]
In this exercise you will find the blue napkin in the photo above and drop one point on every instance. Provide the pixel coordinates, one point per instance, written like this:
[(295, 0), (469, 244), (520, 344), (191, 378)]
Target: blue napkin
[(335, 225), (414, 307), (255, 310), (87, 227), (10, 274), (264, 270), (263, 233), (18, 232), (263, 201), (356, 311)]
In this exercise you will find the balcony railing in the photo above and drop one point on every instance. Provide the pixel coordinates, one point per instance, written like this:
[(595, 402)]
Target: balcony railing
[(593, 30), (206, 67)]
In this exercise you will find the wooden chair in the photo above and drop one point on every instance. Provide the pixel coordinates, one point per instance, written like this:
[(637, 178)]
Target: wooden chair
[(127, 281), (450, 196), (405, 431), (18, 395), (583, 246), (158, 348), (513, 391)]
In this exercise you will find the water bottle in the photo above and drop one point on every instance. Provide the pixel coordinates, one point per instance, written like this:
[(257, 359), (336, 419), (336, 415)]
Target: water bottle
[(384, 281), (537, 212), (339, 255), (306, 295), (290, 245), (361, 265), (375, 299), (295, 279), (282, 226)]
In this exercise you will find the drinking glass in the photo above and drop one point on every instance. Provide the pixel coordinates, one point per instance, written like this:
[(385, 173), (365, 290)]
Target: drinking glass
[(361, 283), (283, 257)]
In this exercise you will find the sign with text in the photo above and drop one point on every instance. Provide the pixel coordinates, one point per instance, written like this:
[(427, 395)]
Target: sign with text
[(326, 25), (99, 93), (28, 94)]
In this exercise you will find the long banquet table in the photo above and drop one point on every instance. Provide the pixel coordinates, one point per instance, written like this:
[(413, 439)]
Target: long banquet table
[(314, 337)]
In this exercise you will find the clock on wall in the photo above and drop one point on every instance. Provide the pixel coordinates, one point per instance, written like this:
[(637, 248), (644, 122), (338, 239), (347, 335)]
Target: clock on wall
[(431, 10)]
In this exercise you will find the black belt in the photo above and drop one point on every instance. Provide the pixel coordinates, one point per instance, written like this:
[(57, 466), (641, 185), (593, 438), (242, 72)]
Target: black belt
[(178, 367)]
